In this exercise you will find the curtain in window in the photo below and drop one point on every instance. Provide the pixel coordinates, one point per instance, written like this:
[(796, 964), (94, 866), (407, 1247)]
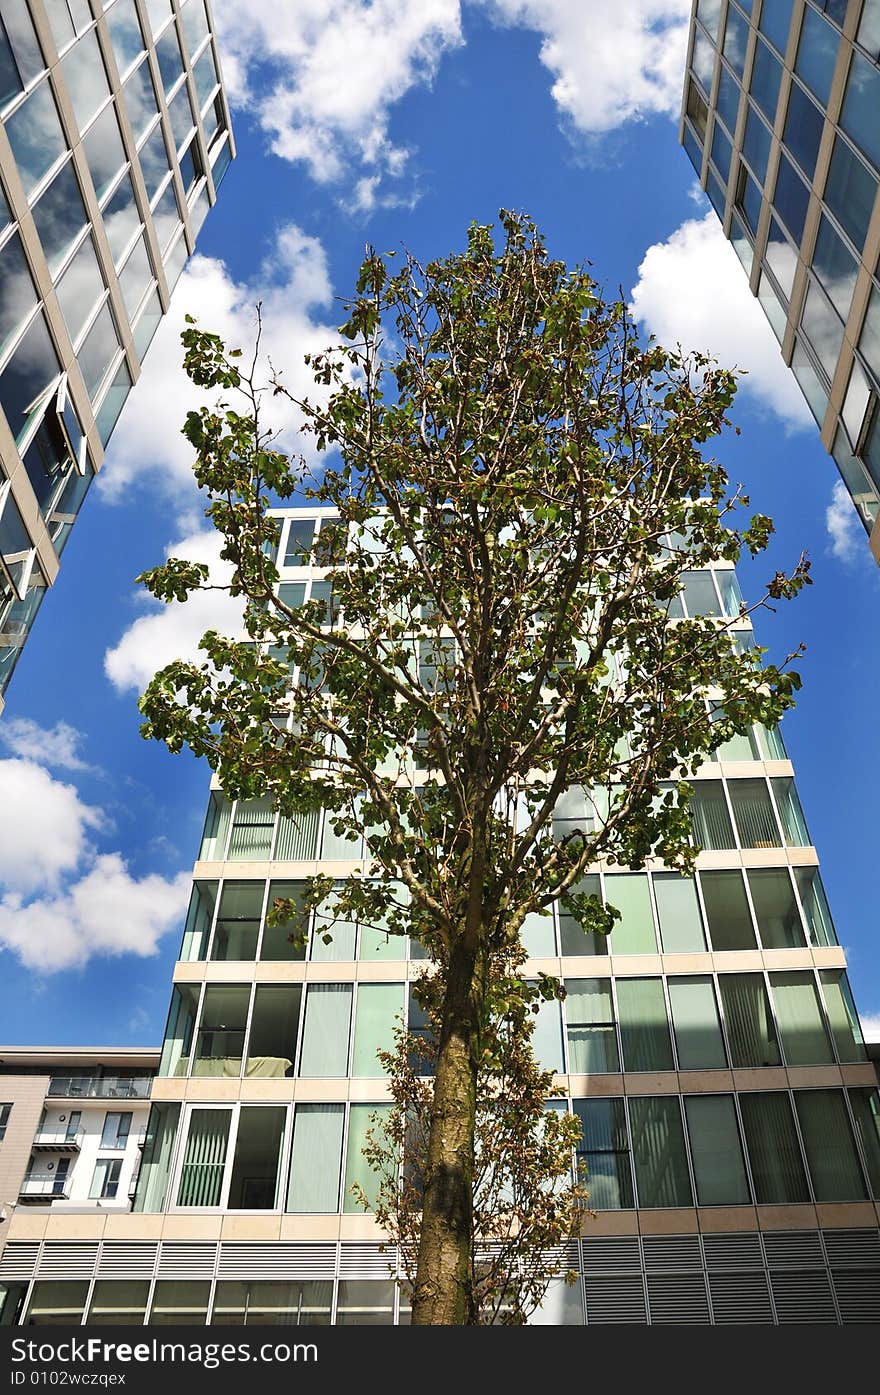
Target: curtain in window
[(589, 1013), (201, 1179), (658, 1151), (342, 932), (156, 1166), (297, 839), (681, 928), (774, 1152), (357, 1169), (697, 1026), (804, 1038), (750, 1031), (604, 1151), (252, 830), (378, 1007), (828, 1142), (316, 1158), (547, 1037), (709, 816), (719, 1170), (634, 932), (644, 1030), (335, 847), (325, 1033), (753, 812)]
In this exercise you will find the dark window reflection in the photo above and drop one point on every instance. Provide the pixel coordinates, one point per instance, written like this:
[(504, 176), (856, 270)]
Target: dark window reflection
[(60, 216), (32, 367), (35, 135)]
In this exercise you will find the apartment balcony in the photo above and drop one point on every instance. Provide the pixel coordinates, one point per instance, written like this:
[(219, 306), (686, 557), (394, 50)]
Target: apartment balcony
[(58, 1141), (107, 1087), (44, 1186)]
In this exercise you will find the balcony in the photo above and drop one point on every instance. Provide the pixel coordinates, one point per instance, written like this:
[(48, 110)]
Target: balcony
[(106, 1087), (58, 1141), (44, 1186)]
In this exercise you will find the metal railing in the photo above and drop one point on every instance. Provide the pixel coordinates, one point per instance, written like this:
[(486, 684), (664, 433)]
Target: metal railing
[(59, 1138), (106, 1087), (44, 1184)]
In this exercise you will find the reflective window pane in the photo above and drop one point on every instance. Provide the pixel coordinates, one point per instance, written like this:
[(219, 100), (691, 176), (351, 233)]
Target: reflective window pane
[(166, 216), (154, 161), (751, 1034), (60, 216), (18, 295), (195, 23), (140, 99), (125, 33), (721, 151), (32, 367), (801, 1024), (644, 1029), (703, 61), (816, 54), (20, 56), (803, 129), (748, 199), (169, 56), (205, 75), (835, 266), (809, 381), (180, 113), (860, 107), (104, 150), (736, 37), (589, 1017), (603, 1153), (681, 927), (697, 1026), (776, 912), (756, 144), (727, 102), (135, 277), (79, 290), (716, 1151), (869, 28), (634, 932), (774, 1152), (829, 1145), (709, 816), (791, 198), (113, 402), (823, 327), (35, 135), (316, 1158), (766, 77), (121, 219), (842, 1016), (659, 1153), (709, 12), (850, 191), (775, 22), (86, 78)]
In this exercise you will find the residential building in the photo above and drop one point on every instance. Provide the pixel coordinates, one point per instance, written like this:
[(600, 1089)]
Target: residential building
[(780, 122), (114, 137), (730, 1113)]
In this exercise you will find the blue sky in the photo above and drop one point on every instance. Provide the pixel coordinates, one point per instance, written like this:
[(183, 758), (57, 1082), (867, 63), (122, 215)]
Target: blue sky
[(394, 122)]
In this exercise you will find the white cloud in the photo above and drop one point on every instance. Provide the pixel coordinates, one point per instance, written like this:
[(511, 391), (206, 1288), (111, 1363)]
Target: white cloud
[(54, 746), (612, 61), (871, 1026), (173, 631), (842, 521), (291, 284), (321, 76), (107, 912), (692, 291), (44, 827)]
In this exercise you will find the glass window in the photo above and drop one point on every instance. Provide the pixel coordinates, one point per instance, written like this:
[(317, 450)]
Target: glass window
[(20, 56), (869, 343), (829, 1145), (772, 306), (198, 921), (159, 12), (858, 116), (191, 172), (849, 191), (274, 1028), (866, 1111), (104, 150), (721, 151), (756, 144), (776, 911), (316, 1158), (659, 1152), (835, 266), (195, 23), (696, 1023), (220, 163), (180, 113), (86, 78), (298, 542), (572, 939), (709, 12), (741, 245), (113, 402), (727, 910), (136, 277), (589, 1016), (709, 816), (766, 77), (220, 1040), (603, 1153), (180, 1303), (18, 295), (698, 590), (121, 219), (166, 216), (238, 922), (547, 1038), (98, 350), (703, 61), (789, 808), (736, 38), (748, 199), (716, 1151), (753, 814), (869, 28), (154, 161), (285, 941), (816, 54), (644, 1030), (169, 56), (60, 216), (325, 1032), (140, 99), (117, 1127), (727, 101), (678, 910), (125, 33), (801, 1023), (634, 932), (252, 827), (750, 1031), (105, 1180), (803, 129), (775, 22), (811, 385), (179, 1030), (273, 1304), (55, 1302), (79, 290), (361, 1121), (5, 1111), (35, 136), (791, 198), (32, 367), (256, 1163), (774, 1153), (823, 328), (147, 324), (697, 109), (842, 1015), (175, 261), (201, 1176), (205, 75), (365, 1302), (155, 1170)]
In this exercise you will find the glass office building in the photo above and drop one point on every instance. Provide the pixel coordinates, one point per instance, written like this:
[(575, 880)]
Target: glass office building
[(711, 1049), (781, 121), (114, 137)]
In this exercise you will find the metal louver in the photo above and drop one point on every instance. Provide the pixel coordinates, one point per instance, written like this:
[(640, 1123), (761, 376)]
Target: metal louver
[(600, 1256), (616, 1298), (803, 1297), (678, 1299), (736, 1251), (364, 1261), (67, 1260), (858, 1294), (276, 1261), (741, 1297), (802, 1248), (19, 1260), (853, 1248), (667, 1253), (187, 1260), (120, 1261)]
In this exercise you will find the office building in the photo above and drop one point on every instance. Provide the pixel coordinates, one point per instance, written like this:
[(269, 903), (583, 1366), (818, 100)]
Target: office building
[(780, 121), (114, 137), (730, 1113)]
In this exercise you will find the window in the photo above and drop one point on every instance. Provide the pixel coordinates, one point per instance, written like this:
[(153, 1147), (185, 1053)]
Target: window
[(865, 1104), (365, 1302), (817, 54), (60, 216), (5, 1112), (823, 328), (116, 1130), (195, 23), (634, 932), (703, 61), (644, 1030), (869, 28), (379, 1007), (285, 941), (201, 1176), (18, 295), (79, 290), (112, 402), (716, 1151), (274, 1029), (238, 921), (849, 191), (736, 37), (603, 1153), (774, 1153), (105, 1179), (220, 1039), (709, 12), (750, 1031), (801, 1024), (180, 1303), (316, 1158), (791, 815), (803, 129), (659, 1152), (781, 257), (169, 56), (709, 816), (697, 1027), (140, 100), (748, 199), (829, 1145), (180, 115), (835, 266), (198, 921), (572, 939), (697, 109), (256, 1163), (155, 1169), (205, 76), (298, 543), (104, 150), (858, 116), (153, 156), (678, 911), (775, 22), (117, 1302), (766, 77), (252, 827), (272, 1304), (86, 78), (842, 1016), (756, 144), (791, 198), (26, 376), (590, 1031), (362, 1120), (326, 1030), (753, 814), (721, 151), (56, 1301), (298, 838), (776, 910)]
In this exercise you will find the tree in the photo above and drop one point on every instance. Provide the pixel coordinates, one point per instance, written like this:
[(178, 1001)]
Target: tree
[(520, 487)]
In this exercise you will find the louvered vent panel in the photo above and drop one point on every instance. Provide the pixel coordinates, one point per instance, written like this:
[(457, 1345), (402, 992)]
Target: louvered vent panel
[(849, 1248), (62, 1260), (733, 1251), (678, 1298), (613, 1298), (120, 1261), (741, 1298), (801, 1248), (858, 1294), (277, 1261), (622, 1252), (366, 1261), (187, 1261), (19, 1259), (801, 1297), (665, 1254)]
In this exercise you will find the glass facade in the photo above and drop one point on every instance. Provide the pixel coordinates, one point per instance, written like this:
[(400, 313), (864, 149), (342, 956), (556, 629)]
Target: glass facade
[(116, 123), (794, 182)]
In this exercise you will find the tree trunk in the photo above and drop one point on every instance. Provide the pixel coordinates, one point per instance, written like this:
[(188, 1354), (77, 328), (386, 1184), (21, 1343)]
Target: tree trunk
[(443, 1292)]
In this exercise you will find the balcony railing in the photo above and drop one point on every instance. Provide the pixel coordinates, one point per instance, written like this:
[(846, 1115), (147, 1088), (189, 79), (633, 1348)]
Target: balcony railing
[(44, 1184), (59, 1140), (106, 1087)]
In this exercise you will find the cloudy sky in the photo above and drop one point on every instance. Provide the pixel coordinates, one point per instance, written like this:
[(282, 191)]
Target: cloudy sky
[(397, 122)]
